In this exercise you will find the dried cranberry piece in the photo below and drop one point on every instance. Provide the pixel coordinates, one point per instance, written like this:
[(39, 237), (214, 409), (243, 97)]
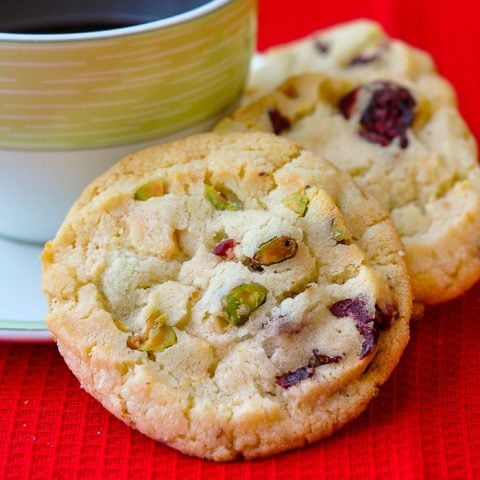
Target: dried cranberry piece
[(347, 102), (318, 359), (290, 379), (381, 321), (225, 248), (383, 317), (363, 59), (321, 46), (370, 336), (351, 307), (389, 112), (357, 309), (278, 121)]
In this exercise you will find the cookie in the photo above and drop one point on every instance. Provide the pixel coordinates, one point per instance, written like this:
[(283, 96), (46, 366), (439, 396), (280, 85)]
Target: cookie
[(360, 49), (410, 150), (229, 295)]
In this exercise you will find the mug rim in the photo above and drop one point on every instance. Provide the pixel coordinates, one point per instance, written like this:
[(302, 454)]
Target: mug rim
[(173, 20)]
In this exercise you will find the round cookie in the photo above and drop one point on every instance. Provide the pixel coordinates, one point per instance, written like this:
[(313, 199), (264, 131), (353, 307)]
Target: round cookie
[(360, 49), (412, 152), (230, 295)]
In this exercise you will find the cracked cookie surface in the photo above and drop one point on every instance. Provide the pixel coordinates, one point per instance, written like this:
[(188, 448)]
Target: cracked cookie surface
[(230, 295), (409, 149)]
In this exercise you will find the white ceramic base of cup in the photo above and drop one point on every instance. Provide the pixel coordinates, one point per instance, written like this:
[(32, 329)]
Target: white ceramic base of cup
[(38, 187), (22, 306)]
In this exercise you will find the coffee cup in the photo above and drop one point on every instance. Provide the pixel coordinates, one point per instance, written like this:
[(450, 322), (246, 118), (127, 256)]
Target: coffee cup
[(82, 84)]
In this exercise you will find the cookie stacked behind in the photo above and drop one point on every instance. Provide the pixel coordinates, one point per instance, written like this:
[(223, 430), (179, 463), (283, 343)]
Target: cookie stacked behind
[(231, 295), (359, 49), (391, 122)]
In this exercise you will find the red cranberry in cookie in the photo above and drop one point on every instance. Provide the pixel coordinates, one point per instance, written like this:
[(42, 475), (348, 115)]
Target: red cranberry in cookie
[(386, 111)]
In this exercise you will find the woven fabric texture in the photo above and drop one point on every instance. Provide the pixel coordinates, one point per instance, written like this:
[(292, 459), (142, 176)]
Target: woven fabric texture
[(424, 424)]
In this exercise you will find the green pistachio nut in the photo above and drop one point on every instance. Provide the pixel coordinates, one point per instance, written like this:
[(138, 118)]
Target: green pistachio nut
[(156, 335), (297, 202), (134, 341), (219, 236), (241, 301), (217, 199), (338, 235), (121, 326), (155, 188), (340, 232), (159, 338), (155, 319), (276, 250), (310, 192)]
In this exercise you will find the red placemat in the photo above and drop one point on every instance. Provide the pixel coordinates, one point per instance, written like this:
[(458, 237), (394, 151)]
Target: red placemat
[(425, 423)]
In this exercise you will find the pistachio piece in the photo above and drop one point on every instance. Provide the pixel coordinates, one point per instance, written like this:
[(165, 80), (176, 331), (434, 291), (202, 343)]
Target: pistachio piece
[(155, 319), (154, 188), (218, 199), (159, 338), (241, 301), (155, 336), (134, 341), (340, 232), (276, 250), (297, 202), (220, 235), (310, 192), (338, 235), (121, 326), (251, 265)]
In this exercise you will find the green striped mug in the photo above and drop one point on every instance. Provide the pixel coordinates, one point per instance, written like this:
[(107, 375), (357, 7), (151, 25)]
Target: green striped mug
[(84, 83)]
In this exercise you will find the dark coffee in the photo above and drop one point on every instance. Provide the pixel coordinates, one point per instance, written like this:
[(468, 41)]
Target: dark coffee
[(73, 16), (73, 27)]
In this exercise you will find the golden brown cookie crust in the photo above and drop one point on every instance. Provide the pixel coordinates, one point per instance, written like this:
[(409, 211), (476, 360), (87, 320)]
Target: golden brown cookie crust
[(221, 390)]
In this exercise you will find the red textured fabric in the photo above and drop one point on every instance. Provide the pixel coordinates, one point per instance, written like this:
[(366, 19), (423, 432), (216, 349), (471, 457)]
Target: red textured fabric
[(425, 423)]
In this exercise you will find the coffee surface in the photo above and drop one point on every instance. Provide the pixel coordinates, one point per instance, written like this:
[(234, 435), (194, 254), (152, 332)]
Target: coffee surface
[(50, 17)]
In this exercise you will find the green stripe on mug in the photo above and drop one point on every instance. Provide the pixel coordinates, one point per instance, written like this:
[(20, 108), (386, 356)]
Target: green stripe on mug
[(127, 88)]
